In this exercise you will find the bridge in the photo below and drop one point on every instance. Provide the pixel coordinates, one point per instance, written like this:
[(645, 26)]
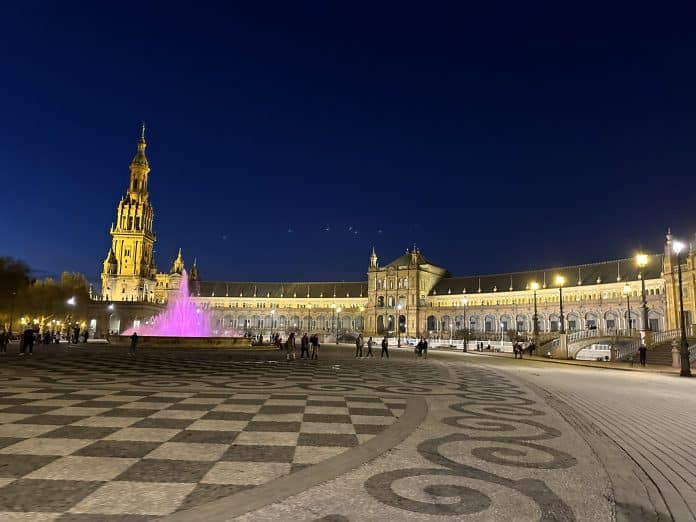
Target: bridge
[(624, 344)]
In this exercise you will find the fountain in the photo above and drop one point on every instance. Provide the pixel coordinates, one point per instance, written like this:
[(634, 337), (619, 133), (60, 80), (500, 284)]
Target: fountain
[(182, 322)]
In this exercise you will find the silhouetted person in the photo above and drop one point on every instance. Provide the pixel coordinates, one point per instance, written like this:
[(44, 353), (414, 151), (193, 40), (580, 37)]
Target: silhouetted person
[(304, 346), (642, 352), (369, 348), (385, 348), (133, 344), (315, 346), (27, 341), (4, 338), (359, 346), (291, 346)]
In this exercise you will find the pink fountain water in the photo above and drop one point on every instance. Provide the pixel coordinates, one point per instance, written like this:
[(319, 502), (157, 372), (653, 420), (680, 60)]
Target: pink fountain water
[(182, 318)]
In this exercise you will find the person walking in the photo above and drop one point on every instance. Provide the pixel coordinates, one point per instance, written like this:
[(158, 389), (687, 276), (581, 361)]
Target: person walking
[(315, 346), (359, 346), (291, 347), (314, 341), (642, 352), (369, 348), (133, 344), (27, 342), (385, 348), (425, 348), (304, 346)]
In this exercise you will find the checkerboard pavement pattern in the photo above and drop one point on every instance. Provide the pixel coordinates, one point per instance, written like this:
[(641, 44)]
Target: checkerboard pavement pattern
[(99, 454)]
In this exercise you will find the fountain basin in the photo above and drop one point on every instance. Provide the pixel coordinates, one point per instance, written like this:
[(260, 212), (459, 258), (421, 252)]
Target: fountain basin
[(155, 341)]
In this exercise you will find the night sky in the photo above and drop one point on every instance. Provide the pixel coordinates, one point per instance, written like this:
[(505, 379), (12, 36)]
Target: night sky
[(287, 140)]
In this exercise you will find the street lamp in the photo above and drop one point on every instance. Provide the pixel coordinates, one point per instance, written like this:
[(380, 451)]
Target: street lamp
[(272, 315), (71, 303), (466, 326), (535, 318), (627, 293), (678, 246), (642, 262), (560, 280), (398, 326)]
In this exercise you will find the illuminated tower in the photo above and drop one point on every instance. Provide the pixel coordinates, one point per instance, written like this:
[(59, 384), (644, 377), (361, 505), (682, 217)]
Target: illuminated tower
[(129, 267)]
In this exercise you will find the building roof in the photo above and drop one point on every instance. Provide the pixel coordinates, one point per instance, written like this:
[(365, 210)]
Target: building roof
[(588, 274), (405, 260), (265, 289)]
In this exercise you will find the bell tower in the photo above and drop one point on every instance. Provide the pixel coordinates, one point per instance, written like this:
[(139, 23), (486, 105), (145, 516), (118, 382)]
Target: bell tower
[(129, 267)]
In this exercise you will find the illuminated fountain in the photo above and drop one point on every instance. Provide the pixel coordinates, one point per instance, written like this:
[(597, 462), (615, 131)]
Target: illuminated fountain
[(182, 318)]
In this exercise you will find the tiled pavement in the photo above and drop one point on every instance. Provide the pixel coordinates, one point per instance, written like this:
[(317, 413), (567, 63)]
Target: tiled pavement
[(95, 454)]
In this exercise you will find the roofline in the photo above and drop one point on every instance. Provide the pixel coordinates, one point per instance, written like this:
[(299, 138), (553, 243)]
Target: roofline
[(553, 268)]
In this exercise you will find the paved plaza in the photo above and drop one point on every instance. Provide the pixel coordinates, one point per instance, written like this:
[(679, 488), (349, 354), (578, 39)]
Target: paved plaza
[(90, 434)]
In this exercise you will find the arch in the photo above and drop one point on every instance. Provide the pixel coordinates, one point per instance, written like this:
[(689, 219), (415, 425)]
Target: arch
[(294, 322), (521, 323), (360, 323), (554, 322), (506, 323), (380, 301), (490, 324), (655, 320), (430, 323), (391, 326), (307, 322), (391, 301), (242, 322), (320, 322), (380, 324), (282, 321), (402, 324), (445, 323), (459, 322), (591, 320), (346, 322), (474, 323), (573, 322), (255, 321), (611, 320)]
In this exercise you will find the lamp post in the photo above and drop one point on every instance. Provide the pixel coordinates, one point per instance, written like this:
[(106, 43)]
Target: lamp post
[(466, 327), (398, 326), (272, 321), (627, 293), (678, 246), (71, 303), (535, 318), (642, 262), (338, 318), (560, 280), (108, 326)]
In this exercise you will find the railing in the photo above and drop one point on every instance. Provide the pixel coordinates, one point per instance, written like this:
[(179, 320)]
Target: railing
[(622, 352), (582, 334), (661, 337)]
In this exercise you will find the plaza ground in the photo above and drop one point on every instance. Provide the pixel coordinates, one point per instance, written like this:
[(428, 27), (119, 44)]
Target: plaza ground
[(90, 434)]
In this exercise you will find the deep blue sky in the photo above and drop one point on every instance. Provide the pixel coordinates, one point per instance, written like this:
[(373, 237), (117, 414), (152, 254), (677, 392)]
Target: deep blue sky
[(497, 138)]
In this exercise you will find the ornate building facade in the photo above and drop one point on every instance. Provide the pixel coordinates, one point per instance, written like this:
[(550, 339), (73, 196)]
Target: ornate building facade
[(408, 296)]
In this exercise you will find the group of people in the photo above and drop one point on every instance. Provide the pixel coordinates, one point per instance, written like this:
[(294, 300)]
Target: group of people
[(305, 342), (360, 344), (30, 337)]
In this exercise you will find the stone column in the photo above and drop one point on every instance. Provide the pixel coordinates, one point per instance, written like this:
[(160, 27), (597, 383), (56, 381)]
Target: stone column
[(676, 355)]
